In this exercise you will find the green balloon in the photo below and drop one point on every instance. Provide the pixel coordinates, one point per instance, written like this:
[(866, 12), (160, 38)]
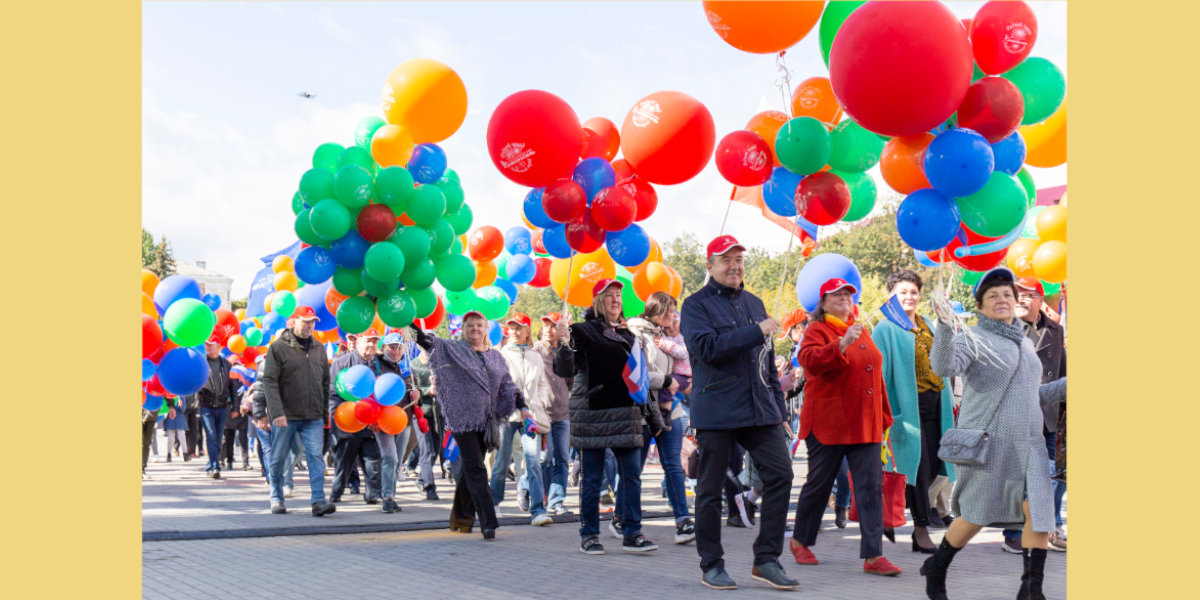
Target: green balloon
[(356, 314), (348, 282), (862, 194), (397, 309), (413, 242), (631, 305), (460, 220), (297, 203), (419, 274), (455, 272), (366, 130), (831, 21), (352, 186), (188, 322), (284, 303), (501, 263), (326, 156), (1030, 230), (316, 185), (426, 302), (1050, 289), (802, 145), (254, 336), (460, 303), (304, 230), (452, 190), (330, 220), (441, 237), (970, 277), (1027, 182), (456, 247), (493, 302), (427, 205), (853, 149), (451, 174), (996, 209), (379, 288), (384, 261), (976, 73), (339, 385), (394, 187), (355, 155), (1042, 85)]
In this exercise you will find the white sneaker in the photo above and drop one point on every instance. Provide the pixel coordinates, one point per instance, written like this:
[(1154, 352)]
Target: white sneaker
[(287, 492), (541, 519)]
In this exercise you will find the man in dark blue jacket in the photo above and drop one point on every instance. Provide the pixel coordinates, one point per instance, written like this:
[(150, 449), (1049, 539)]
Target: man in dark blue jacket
[(736, 398)]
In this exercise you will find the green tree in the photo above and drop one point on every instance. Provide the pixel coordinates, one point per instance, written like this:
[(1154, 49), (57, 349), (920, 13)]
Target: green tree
[(686, 255), (238, 303), (147, 248), (163, 262)]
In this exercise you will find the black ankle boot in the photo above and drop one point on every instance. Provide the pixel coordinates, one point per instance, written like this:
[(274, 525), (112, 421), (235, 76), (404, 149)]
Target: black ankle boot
[(935, 568), (1031, 579)]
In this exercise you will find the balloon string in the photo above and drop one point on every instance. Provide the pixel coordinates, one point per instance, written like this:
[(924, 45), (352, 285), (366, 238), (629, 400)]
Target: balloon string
[(784, 82), (727, 207), (567, 288), (786, 259)]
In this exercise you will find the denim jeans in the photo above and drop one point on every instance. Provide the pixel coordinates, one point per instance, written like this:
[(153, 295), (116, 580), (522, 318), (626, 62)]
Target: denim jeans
[(310, 432), (508, 432), (532, 481), (1059, 487), (556, 466), (669, 445), (842, 485), (214, 430), (388, 463), (630, 490)]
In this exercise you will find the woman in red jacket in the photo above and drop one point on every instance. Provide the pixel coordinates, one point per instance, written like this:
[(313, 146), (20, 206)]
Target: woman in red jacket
[(845, 413)]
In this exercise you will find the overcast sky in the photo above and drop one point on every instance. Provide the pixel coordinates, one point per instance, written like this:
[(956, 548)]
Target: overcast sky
[(225, 138)]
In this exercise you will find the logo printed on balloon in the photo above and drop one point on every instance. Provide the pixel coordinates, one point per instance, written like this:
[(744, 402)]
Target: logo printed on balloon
[(715, 21), (389, 97), (809, 97), (755, 159), (645, 113), (1016, 37), (591, 272), (516, 158)]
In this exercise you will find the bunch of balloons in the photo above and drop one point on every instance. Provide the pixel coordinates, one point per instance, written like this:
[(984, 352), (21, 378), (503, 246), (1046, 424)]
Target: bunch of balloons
[(370, 400), (173, 355)]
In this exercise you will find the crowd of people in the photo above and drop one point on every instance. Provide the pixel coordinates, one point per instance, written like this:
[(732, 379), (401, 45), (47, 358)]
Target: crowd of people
[(582, 404)]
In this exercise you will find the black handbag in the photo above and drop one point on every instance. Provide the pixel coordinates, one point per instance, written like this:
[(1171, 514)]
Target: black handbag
[(491, 434)]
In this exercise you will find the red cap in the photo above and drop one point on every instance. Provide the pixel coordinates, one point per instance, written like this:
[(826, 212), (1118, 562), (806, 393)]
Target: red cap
[(723, 244), (304, 312), (552, 318), (604, 284), (370, 333), (213, 339), (519, 319), (834, 285), (473, 313), (1032, 284)]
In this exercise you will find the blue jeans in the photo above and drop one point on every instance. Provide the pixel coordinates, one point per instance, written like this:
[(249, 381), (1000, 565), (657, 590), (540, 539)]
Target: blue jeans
[(555, 468), (266, 449), (508, 431), (388, 463), (532, 480), (669, 446), (311, 432), (1059, 487), (630, 490), (214, 431), (841, 490)]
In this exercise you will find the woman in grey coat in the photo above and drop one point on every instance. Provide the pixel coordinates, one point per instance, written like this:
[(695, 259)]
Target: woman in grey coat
[(1003, 396)]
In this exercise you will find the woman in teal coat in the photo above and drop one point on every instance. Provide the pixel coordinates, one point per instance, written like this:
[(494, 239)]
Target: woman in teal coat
[(922, 403)]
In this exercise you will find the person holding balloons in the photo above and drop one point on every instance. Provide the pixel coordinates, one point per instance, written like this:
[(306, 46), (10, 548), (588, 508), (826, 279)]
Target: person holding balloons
[(555, 467), (473, 384), (528, 371), (216, 399), (392, 360), (349, 446)]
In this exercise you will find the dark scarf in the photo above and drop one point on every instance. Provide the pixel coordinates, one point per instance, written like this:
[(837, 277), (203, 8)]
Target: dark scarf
[(1014, 331)]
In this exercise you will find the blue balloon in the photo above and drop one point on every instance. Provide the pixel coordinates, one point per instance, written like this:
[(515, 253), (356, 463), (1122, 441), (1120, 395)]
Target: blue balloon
[(923, 259), (313, 296), (495, 333), (390, 389), (1010, 153), (508, 287), (427, 163), (147, 369), (822, 268), (183, 371), (534, 211), (153, 403), (212, 301), (521, 269), (359, 381), (594, 174), (349, 251), (245, 326), (555, 241), (315, 264), (628, 247), (779, 192), (927, 220), (517, 240), (272, 322), (959, 162), (175, 287)]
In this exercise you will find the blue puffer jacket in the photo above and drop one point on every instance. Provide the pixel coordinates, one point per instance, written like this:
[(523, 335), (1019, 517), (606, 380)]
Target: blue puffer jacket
[(720, 327)]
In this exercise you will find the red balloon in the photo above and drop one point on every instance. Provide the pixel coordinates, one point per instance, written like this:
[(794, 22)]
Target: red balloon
[(614, 209), (534, 138), (643, 193), (156, 355), (622, 169), (823, 198), (154, 386), (250, 354), (966, 23), (227, 324), (1002, 35), (938, 256), (981, 262), (376, 222), (993, 107), (744, 158), (485, 243), (564, 200), (900, 68), (584, 234), (668, 137), (367, 411), (433, 320), (542, 279), (600, 139), (535, 240), (152, 336)]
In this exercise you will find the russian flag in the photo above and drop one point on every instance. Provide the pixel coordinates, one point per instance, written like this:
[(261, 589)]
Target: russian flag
[(449, 447), (636, 377), (795, 444), (454, 324)]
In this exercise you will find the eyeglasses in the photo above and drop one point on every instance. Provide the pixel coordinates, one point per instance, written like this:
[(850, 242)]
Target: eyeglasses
[(1029, 295)]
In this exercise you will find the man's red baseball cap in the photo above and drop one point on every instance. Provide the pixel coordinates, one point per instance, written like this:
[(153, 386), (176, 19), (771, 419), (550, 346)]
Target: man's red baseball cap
[(553, 318), (723, 244), (1032, 284), (836, 284), (604, 284), (213, 339), (370, 333), (519, 319), (305, 312)]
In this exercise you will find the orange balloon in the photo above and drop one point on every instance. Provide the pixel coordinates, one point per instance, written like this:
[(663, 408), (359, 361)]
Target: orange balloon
[(767, 124), (236, 344), (404, 220), (901, 161), (1052, 224), (148, 307), (283, 263), (814, 98), (149, 282), (655, 255), (392, 420), (676, 283), (240, 314), (427, 98), (581, 274), (378, 325), (286, 280), (344, 417), (1020, 257), (267, 302), (485, 273), (762, 27), (600, 139), (656, 277), (1046, 142), (1050, 261), (391, 146), (334, 299)]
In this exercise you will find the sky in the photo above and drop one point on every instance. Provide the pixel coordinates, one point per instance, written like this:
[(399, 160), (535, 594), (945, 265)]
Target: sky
[(225, 136)]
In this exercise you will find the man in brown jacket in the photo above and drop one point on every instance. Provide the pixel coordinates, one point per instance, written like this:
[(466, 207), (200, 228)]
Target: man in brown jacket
[(555, 466)]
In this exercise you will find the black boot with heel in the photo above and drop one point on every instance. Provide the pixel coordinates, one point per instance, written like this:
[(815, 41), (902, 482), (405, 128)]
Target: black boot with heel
[(934, 571), (1031, 579)]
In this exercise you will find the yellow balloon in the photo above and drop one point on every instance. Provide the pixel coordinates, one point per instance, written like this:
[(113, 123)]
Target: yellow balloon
[(581, 275), (391, 146), (1050, 261), (1046, 142), (286, 280), (425, 97), (282, 263), (267, 303), (1052, 224), (1020, 257), (240, 314), (149, 282), (148, 306)]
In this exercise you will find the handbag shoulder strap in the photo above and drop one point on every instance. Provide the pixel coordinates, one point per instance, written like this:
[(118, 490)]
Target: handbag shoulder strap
[(996, 409)]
